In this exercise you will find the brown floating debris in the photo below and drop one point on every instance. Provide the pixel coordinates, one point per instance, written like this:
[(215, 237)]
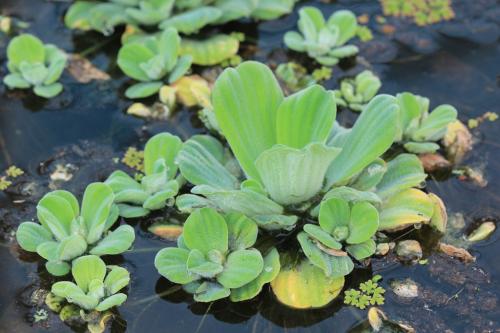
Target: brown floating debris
[(456, 252), (84, 71), (405, 288), (434, 162), (167, 231), (457, 141)]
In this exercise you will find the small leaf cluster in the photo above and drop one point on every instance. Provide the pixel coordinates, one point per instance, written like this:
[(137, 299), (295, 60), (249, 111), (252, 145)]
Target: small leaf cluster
[(369, 293), (324, 40), (65, 231), (12, 172), (96, 286), (33, 64), (215, 259), (357, 92), (153, 61), (423, 12), (340, 223), (418, 128), (156, 187)]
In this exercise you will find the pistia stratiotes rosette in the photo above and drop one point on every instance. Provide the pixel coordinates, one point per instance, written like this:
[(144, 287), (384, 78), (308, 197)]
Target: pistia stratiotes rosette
[(33, 64), (419, 129), (356, 93), (159, 184), (66, 232), (214, 258), (340, 222), (96, 288), (151, 61), (324, 40), (295, 160)]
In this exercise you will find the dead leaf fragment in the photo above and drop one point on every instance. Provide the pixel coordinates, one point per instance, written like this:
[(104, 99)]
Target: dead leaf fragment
[(434, 162), (166, 231), (456, 252), (457, 141), (84, 71)]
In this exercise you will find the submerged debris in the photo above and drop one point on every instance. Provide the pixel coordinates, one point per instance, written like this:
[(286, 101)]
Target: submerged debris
[(456, 252), (409, 250), (168, 231), (380, 323), (84, 71), (405, 288)]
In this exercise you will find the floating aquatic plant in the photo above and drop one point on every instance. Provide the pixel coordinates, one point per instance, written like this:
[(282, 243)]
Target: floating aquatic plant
[(303, 163), (95, 291), (159, 184), (356, 93), (324, 40), (369, 293), (33, 64), (186, 16), (423, 12), (65, 231), (419, 129), (215, 258), (152, 61)]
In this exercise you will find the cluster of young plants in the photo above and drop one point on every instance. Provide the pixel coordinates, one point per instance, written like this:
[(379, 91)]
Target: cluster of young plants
[(158, 186), (152, 61), (72, 238), (357, 92), (11, 173), (419, 129), (296, 77), (67, 231), (423, 12), (297, 164), (186, 16), (324, 40), (33, 64)]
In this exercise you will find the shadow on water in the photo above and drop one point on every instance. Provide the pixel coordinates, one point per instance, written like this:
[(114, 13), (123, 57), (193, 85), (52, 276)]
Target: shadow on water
[(91, 118)]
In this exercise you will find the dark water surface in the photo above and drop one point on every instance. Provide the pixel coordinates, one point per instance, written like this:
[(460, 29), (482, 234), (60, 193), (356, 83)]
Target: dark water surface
[(87, 126)]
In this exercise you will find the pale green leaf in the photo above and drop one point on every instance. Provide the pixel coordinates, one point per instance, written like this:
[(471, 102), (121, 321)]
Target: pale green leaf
[(171, 263), (209, 292), (96, 207), (245, 102), (305, 117), (71, 247), (201, 162), (242, 231), (372, 134), (403, 172), (362, 250), (143, 89), (322, 236), (333, 213), (163, 145), (117, 279), (111, 301), (363, 222), (48, 91), (27, 48), (346, 23), (131, 56), (198, 264), (116, 242), (206, 230), (87, 268), (29, 235), (241, 267), (291, 175)]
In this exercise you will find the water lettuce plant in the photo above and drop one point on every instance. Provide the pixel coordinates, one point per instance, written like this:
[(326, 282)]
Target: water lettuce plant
[(159, 184), (153, 61), (96, 286), (297, 163), (33, 64), (324, 40), (215, 258), (67, 231), (357, 92), (419, 129)]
